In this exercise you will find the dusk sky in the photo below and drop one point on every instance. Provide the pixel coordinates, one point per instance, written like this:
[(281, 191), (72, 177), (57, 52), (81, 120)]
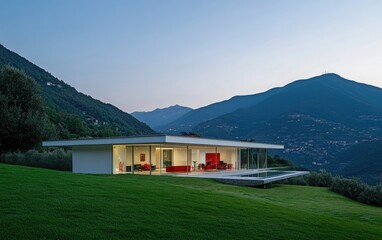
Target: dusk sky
[(140, 55)]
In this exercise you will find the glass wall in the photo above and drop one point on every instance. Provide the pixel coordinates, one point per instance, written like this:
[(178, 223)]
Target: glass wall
[(262, 158), (213, 159), (133, 159), (144, 161), (182, 159), (120, 159), (253, 158)]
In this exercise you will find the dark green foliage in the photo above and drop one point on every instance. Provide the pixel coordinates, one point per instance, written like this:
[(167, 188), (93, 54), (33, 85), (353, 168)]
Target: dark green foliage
[(276, 161), (301, 180), (21, 111), (351, 188), (57, 159), (323, 179), (356, 190), (71, 114)]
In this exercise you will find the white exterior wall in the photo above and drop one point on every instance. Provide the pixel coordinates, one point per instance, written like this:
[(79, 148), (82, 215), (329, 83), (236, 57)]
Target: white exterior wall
[(93, 159)]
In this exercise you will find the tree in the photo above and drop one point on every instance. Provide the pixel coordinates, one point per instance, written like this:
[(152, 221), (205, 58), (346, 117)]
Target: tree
[(22, 117)]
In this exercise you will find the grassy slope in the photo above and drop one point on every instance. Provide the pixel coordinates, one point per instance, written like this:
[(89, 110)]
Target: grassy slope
[(45, 204)]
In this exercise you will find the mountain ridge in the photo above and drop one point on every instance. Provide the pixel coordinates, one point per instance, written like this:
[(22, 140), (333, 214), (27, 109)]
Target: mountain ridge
[(315, 118), (202, 114), (67, 107), (161, 116)]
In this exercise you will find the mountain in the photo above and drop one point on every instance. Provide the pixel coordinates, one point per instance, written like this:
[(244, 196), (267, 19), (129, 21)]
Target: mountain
[(74, 114), (161, 116), (365, 163), (194, 117), (314, 118)]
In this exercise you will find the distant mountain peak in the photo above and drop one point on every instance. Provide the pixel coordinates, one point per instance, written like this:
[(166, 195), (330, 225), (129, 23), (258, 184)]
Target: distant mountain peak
[(176, 106), (314, 118), (161, 116), (330, 76)]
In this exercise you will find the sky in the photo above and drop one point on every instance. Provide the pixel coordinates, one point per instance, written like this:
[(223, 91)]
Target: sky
[(141, 55)]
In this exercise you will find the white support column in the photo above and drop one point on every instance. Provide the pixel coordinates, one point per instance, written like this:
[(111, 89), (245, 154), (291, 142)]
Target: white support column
[(132, 159), (187, 158), (160, 159), (247, 158), (238, 159), (266, 158), (258, 157), (150, 158), (216, 157)]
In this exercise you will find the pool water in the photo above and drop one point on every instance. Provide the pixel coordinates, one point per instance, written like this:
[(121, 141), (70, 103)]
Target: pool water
[(264, 174)]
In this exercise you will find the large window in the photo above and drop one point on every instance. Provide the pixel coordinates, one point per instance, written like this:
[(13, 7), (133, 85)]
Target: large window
[(167, 157), (250, 158)]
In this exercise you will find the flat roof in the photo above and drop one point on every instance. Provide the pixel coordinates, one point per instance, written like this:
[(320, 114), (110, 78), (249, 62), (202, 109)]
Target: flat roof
[(159, 139)]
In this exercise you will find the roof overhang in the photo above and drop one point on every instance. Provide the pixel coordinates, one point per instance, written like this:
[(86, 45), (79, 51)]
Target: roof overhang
[(160, 139)]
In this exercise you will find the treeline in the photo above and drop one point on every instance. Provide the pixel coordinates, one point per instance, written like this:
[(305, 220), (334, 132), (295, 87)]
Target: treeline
[(66, 112), (28, 115), (69, 126), (22, 118), (351, 188), (277, 161), (57, 159)]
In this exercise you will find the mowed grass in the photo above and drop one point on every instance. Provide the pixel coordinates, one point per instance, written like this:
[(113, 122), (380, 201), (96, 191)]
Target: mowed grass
[(45, 204)]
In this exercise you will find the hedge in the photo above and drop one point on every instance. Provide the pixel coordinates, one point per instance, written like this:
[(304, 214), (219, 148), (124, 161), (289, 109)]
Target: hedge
[(57, 159)]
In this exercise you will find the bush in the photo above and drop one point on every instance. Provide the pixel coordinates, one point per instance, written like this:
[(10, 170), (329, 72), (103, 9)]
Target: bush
[(301, 180), (356, 190), (350, 188), (276, 161), (323, 179), (57, 159)]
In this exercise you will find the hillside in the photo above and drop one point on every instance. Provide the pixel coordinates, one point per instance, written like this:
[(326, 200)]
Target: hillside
[(194, 117), (366, 162), (47, 204), (315, 119), (73, 113), (161, 116)]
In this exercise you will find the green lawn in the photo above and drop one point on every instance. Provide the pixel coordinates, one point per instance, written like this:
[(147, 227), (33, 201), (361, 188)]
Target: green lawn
[(45, 204)]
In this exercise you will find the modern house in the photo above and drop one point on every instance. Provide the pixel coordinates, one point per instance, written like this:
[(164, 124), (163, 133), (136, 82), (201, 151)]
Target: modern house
[(164, 154)]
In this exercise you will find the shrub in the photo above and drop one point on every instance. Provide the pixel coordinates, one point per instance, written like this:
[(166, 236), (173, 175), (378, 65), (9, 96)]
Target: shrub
[(356, 190), (301, 180), (350, 188), (57, 159), (322, 179)]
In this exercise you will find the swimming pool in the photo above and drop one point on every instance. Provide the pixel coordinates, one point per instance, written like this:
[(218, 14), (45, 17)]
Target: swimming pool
[(265, 174)]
